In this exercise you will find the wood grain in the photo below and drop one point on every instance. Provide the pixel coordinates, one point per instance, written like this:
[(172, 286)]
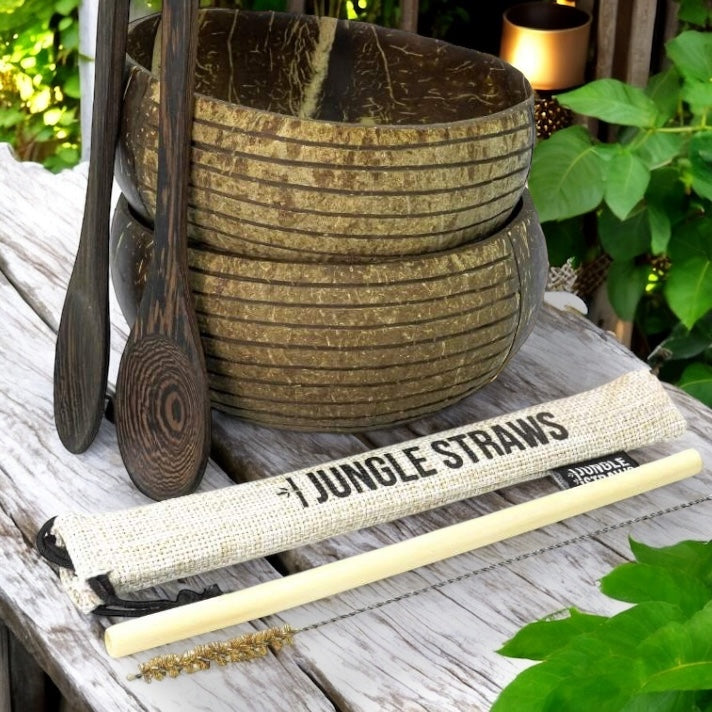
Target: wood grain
[(162, 403), (64, 642), (431, 651), (82, 348)]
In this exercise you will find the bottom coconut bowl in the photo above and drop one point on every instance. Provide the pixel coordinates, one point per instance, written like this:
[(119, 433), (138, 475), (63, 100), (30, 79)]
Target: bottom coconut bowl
[(346, 347)]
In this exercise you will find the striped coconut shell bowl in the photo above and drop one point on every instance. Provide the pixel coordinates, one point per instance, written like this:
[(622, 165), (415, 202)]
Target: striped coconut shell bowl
[(357, 345), (362, 249), (332, 140)]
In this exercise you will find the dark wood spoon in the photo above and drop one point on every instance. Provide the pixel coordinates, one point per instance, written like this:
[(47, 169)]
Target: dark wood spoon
[(162, 403), (81, 357)]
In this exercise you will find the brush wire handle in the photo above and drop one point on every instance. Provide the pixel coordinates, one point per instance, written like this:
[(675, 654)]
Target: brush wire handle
[(82, 348), (162, 402)]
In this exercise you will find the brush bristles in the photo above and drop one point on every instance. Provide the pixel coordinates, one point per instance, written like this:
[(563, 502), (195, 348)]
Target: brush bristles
[(236, 650)]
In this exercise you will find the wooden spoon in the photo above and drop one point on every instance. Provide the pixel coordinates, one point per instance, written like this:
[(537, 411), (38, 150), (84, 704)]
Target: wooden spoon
[(162, 402), (81, 358)]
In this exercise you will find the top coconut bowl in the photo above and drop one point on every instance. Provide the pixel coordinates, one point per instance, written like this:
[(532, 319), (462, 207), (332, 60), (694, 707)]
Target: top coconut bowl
[(330, 140)]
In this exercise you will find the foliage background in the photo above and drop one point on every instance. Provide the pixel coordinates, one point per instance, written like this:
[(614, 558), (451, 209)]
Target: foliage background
[(39, 61), (643, 198), (39, 80)]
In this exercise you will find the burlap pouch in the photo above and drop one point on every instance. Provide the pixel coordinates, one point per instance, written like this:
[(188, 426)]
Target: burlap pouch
[(161, 542)]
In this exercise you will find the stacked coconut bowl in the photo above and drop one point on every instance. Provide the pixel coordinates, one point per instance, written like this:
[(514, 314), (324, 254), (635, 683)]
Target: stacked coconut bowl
[(362, 248)]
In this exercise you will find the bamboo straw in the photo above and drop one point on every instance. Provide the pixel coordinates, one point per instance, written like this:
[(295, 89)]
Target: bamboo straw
[(271, 597)]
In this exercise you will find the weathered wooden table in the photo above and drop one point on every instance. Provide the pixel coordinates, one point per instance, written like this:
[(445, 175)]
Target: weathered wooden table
[(434, 650)]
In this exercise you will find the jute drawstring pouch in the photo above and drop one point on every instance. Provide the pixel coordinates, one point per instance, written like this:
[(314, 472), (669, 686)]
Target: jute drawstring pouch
[(129, 550)]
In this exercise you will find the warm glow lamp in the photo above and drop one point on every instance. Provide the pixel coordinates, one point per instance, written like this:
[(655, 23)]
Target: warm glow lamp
[(547, 42)]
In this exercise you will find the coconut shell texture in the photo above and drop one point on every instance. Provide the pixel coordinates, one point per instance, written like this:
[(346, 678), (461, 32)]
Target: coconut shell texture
[(325, 140), (352, 346)]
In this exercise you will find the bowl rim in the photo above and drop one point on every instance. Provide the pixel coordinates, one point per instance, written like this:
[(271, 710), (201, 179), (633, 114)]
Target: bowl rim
[(522, 212), (352, 126)]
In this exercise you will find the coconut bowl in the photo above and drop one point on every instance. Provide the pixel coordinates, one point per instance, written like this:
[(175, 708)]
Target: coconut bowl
[(325, 140), (354, 345)]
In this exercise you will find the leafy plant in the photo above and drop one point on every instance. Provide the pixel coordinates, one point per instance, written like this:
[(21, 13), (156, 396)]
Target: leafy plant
[(39, 80), (651, 193), (653, 657)]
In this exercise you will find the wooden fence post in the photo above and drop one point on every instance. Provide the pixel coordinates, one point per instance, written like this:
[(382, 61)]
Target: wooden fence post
[(409, 15)]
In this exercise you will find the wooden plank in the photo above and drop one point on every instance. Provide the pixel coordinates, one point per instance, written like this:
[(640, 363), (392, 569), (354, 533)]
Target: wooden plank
[(28, 682), (5, 695), (671, 24), (409, 15), (640, 42), (624, 40), (38, 479), (606, 38), (482, 611), (433, 650)]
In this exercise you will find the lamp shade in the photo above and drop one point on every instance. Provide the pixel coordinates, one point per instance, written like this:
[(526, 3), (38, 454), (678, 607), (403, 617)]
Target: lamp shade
[(547, 42)]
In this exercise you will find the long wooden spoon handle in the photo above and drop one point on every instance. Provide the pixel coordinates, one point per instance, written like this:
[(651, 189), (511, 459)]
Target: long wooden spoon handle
[(82, 348), (162, 401)]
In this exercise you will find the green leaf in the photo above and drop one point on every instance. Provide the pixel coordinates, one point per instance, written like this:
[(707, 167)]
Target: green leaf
[(657, 149), (696, 12), (606, 692), (667, 192), (637, 582), (701, 163), (624, 239), (678, 656), (691, 53), (627, 179), (690, 557), (566, 177), (65, 7), (11, 117), (71, 87), (653, 657), (70, 37), (624, 631), (528, 691), (689, 282), (538, 641), (17, 15), (613, 101), (661, 702), (678, 348), (684, 343), (660, 228), (565, 239), (696, 380), (687, 676), (698, 95), (626, 285), (664, 90)]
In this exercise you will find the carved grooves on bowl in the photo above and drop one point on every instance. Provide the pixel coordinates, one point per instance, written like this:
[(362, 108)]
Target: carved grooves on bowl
[(332, 349), (348, 190), (271, 184), (332, 210), (350, 346)]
